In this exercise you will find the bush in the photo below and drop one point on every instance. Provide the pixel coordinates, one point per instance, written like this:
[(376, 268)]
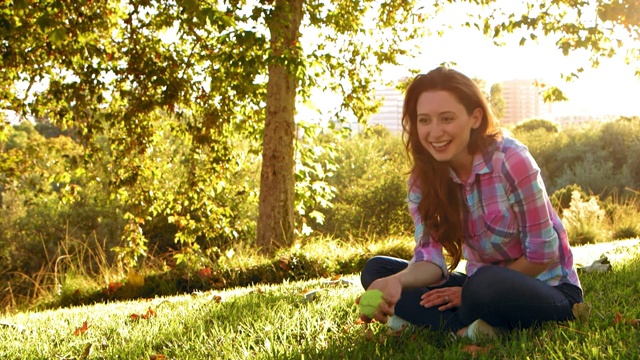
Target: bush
[(371, 183), (596, 175), (624, 215), (585, 221), (545, 148), (535, 124), (561, 198)]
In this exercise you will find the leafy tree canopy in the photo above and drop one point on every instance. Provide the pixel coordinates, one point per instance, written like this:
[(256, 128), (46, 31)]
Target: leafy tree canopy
[(228, 69)]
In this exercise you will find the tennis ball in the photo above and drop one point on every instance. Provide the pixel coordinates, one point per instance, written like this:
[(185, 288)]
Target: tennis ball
[(369, 302)]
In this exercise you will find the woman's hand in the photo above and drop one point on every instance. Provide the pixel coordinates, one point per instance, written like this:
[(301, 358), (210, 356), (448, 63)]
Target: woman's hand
[(391, 289), (447, 298)]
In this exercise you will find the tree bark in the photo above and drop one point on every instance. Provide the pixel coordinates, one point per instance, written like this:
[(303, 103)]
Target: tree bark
[(276, 201)]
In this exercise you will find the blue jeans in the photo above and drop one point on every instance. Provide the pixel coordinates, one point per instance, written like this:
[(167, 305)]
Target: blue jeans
[(498, 295)]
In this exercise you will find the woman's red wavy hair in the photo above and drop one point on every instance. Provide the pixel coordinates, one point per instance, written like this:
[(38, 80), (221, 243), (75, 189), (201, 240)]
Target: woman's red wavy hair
[(441, 204)]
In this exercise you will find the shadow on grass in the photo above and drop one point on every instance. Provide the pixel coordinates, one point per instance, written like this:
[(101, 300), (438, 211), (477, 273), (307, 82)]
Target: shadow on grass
[(295, 265)]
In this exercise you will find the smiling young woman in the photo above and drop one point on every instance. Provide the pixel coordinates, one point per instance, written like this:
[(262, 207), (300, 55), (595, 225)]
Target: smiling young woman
[(477, 193)]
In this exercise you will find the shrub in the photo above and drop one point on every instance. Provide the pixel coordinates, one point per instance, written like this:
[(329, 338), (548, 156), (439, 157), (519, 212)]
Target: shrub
[(585, 221), (596, 175), (535, 124), (370, 184), (561, 198), (545, 148), (624, 215)]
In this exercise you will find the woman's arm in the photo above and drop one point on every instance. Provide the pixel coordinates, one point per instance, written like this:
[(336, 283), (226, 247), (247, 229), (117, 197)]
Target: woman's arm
[(420, 274), (528, 268), (417, 274), (529, 201)]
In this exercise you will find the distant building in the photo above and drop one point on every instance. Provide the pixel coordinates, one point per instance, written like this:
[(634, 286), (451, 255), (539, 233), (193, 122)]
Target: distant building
[(584, 118), (523, 100), (390, 113)]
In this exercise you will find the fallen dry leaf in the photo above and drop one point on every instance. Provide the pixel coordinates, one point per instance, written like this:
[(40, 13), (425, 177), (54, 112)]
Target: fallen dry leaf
[(82, 329), (619, 319), (398, 332), (474, 350), (157, 357), (150, 312), (581, 311)]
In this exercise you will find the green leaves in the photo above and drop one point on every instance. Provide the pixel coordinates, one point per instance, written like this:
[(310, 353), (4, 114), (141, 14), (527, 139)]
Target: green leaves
[(553, 94), (57, 36)]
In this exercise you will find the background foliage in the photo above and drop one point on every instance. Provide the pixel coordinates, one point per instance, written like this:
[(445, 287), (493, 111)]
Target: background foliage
[(151, 116), (57, 210)]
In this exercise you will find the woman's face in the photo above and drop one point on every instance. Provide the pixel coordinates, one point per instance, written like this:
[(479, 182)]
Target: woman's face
[(444, 127)]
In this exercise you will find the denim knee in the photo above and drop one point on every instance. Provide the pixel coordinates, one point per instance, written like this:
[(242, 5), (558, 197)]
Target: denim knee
[(479, 290), (381, 266), (370, 270)]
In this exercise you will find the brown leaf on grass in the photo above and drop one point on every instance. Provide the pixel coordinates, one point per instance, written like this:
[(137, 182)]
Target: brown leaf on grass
[(581, 311), (336, 277), (474, 350), (216, 298), (619, 319), (157, 357), (82, 329), (150, 312), (397, 333)]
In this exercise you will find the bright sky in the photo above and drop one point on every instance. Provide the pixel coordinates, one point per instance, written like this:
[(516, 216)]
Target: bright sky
[(610, 88)]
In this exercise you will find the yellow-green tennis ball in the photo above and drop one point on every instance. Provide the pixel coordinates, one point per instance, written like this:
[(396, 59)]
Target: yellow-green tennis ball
[(369, 302)]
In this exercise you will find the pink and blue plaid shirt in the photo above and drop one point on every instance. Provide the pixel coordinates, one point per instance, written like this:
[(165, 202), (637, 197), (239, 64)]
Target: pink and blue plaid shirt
[(508, 215)]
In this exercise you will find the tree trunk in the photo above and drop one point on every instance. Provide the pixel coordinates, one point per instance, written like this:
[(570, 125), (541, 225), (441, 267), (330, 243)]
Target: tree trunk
[(275, 219)]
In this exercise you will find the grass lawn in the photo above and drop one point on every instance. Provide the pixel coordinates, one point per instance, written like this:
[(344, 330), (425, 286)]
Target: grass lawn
[(280, 322)]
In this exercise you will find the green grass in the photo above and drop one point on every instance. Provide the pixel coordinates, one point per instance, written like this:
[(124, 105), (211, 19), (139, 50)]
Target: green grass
[(278, 322)]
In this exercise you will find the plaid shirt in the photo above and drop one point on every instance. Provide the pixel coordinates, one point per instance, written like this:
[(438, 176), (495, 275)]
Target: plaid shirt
[(508, 216)]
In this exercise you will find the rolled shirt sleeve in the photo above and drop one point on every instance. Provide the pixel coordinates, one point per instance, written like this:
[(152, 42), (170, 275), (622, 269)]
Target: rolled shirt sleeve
[(528, 199), (426, 248)]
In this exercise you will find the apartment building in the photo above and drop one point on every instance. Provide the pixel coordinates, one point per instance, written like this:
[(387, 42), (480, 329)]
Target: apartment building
[(523, 100), (390, 112)]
